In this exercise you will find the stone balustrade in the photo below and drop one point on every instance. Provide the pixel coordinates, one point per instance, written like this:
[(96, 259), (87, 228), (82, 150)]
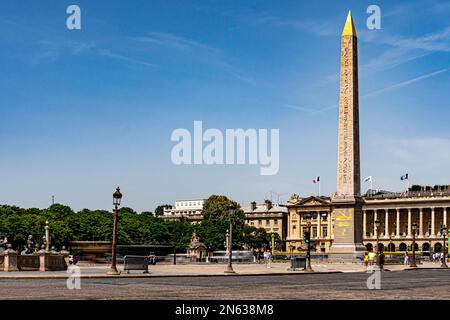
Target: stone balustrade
[(40, 261)]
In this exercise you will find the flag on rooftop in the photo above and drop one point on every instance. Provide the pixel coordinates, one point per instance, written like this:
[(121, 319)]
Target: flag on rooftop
[(404, 177), (316, 180), (369, 178)]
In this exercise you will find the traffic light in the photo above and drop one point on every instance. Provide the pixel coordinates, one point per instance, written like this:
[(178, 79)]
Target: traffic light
[(307, 236)]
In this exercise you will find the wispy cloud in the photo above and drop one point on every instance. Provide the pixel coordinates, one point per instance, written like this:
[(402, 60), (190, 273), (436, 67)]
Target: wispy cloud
[(177, 42), (315, 111), (404, 83), (116, 56), (197, 50), (403, 49)]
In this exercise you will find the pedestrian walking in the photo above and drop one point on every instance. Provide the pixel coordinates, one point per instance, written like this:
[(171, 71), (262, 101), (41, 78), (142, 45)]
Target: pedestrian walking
[(381, 260), (266, 256), (366, 258), (406, 259), (372, 256), (269, 259)]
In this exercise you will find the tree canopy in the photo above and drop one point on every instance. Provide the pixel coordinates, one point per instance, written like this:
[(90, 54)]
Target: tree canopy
[(67, 225)]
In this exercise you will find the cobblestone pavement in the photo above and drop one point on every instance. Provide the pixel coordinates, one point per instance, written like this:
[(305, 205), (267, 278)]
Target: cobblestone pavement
[(413, 284)]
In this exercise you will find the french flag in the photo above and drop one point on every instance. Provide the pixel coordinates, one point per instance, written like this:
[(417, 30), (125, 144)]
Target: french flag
[(316, 180)]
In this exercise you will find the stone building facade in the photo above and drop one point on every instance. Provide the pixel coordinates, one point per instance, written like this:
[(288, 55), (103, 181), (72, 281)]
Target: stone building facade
[(190, 210), (271, 217), (397, 212)]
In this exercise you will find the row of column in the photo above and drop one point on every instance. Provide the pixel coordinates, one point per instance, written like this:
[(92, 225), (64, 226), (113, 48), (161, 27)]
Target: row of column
[(397, 231)]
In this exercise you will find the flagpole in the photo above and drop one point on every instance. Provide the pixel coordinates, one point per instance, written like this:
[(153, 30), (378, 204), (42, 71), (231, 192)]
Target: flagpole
[(319, 186)]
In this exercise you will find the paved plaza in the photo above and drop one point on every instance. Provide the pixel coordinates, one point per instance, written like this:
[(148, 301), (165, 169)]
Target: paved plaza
[(412, 284), (205, 269), (251, 281)]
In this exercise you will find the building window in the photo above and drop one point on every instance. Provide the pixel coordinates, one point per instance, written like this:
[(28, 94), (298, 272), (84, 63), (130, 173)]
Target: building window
[(259, 222), (252, 223), (325, 231), (275, 222), (314, 232), (304, 230), (267, 222)]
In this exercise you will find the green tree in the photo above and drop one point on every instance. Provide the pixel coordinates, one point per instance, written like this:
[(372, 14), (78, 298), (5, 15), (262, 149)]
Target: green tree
[(159, 211), (217, 207)]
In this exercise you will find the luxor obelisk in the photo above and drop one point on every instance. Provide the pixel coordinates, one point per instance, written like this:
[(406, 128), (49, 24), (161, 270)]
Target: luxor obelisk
[(347, 202)]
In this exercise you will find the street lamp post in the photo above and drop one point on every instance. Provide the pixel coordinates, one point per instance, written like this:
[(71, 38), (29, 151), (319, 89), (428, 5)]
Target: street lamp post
[(377, 225), (230, 243), (117, 196), (414, 230), (444, 233), (308, 216)]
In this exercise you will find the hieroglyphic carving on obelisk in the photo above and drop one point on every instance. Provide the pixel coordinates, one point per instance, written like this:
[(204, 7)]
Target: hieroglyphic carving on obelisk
[(348, 170)]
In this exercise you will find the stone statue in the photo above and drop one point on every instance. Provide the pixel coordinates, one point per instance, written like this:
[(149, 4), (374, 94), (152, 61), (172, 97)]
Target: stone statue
[(295, 198), (3, 244), (30, 245)]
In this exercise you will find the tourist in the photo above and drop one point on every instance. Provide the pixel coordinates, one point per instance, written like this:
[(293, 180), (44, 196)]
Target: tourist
[(266, 256), (372, 256), (366, 258), (259, 255), (381, 261), (406, 259), (269, 259)]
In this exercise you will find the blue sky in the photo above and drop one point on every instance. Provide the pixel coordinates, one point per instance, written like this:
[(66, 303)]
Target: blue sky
[(85, 110)]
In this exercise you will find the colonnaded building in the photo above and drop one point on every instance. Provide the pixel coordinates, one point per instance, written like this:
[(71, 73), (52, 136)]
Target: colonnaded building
[(344, 223)]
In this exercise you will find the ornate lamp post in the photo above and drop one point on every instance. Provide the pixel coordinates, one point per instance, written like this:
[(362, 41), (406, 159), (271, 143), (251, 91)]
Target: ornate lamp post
[(230, 243), (414, 230), (117, 196), (377, 226), (308, 216), (444, 233)]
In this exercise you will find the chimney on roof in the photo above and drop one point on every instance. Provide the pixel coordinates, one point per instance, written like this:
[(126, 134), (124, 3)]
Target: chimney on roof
[(268, 204), (253, 205)]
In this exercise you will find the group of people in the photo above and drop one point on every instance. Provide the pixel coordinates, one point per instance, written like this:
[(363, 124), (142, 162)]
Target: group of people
[(371, 258), (263, 256), (434, 257), (437, 257)]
